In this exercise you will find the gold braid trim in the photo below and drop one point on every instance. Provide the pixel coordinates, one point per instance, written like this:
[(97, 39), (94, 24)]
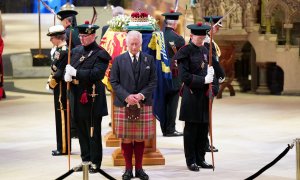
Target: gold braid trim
[(218, 50)]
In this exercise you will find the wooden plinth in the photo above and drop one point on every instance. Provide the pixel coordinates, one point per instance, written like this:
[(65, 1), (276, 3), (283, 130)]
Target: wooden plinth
[(150, 158), (111, 140)]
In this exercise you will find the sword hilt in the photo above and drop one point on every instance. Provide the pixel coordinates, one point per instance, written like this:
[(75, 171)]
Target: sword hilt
[(92, 131)]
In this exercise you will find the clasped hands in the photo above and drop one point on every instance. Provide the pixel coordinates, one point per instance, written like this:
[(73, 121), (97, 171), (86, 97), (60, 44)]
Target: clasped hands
[(70, 71), (133, 99)]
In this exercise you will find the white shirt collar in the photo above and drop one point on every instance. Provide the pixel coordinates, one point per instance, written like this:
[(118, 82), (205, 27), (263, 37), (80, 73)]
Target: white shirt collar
[(137, 56)]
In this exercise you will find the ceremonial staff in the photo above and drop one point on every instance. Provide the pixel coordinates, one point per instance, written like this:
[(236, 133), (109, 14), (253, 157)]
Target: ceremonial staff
[(68, 98), (210, 96)]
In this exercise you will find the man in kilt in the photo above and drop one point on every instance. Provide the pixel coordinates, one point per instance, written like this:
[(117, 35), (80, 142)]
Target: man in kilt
[(133, 78)]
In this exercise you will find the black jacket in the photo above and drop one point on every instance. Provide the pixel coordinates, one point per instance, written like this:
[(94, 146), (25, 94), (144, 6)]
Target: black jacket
[(193, 62), (91, 63), (123, 82)]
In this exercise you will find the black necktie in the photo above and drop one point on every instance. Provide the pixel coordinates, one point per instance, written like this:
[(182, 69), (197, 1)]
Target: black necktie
[(134, 63)]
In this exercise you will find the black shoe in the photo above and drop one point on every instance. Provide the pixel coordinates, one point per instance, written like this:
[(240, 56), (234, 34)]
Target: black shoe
[(58, 153), (140, 173), (205, 165), (208, 149), (193, 167), (175, 133), (127, 175), (93, 168)]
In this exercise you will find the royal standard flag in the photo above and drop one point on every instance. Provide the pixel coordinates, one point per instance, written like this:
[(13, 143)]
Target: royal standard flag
[(115, 44), (153, 43)]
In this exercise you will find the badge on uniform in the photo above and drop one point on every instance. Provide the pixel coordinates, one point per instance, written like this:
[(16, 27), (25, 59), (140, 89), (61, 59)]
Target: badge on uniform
[(205, 57), (82, 58), (202, 65), (56, 55)]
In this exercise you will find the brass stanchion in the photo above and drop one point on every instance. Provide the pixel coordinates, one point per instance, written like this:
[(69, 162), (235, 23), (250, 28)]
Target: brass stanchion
[(85, 170), (297, 141), (40, 55)]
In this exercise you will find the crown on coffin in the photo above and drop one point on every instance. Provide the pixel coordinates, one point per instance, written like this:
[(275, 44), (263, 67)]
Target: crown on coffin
[(139, 17)]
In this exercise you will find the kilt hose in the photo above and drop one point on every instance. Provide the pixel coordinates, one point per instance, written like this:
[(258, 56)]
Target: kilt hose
[(139, 129)]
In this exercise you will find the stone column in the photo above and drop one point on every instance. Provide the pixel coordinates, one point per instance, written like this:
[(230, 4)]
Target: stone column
[(262, 84), (288, 28), (268, 24)]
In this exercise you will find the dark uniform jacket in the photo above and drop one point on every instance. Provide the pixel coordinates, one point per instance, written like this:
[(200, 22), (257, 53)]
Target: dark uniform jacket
[(59, 62), (123, 81), (91, 63), (193, 62), (171, 36)]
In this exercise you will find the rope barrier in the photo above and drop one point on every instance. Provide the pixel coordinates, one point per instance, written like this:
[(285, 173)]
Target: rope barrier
[(65, 175), (103, 173), (75, 169), (281, 155)]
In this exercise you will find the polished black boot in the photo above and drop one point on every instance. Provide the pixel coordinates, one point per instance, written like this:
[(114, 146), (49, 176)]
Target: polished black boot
[(140, 173), (127, 175), (193, 167), (204, 165)]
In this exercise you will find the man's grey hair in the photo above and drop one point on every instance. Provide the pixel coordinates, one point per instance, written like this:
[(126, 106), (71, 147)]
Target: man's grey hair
[(70, 19), (132, 34), (170, 22), (117, 11)]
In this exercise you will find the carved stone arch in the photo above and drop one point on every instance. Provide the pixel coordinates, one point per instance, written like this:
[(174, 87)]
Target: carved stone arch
[(270, 7), (294, 17)]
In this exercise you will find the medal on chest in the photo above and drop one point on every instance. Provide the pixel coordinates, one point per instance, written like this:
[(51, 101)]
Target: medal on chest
[(83, 57), (56, 55)]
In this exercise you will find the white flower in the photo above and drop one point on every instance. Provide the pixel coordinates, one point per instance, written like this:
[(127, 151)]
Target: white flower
[(118, 23)]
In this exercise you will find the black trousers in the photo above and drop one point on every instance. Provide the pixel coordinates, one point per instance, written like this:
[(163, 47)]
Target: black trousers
[(61, 117), (90, 147), (171, 104), (194, 139)]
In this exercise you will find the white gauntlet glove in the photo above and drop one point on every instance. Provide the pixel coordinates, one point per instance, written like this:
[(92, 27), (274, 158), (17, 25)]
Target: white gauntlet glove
[(70, 70), (67, 77), (221, 80), (210, 75)]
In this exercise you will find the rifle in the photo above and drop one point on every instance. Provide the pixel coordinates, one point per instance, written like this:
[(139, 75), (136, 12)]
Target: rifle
[(210, 96)]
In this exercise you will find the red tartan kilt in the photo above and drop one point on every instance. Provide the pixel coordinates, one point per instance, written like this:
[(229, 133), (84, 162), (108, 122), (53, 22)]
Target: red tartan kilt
[(142, 128)]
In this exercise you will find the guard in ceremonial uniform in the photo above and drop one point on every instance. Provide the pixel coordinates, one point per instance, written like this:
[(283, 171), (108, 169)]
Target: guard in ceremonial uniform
[(173, 43), (68, 20), (133, 78), (59, 57), (219, 71), (196, 76), (88, 100)]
